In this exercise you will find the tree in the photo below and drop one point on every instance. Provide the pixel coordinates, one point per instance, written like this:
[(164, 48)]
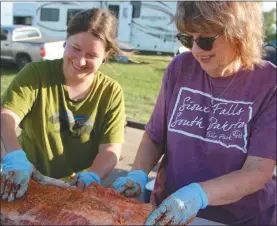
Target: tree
[(270, 25)]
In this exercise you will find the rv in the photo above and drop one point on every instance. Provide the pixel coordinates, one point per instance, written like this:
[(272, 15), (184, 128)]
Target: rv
[(24, 13), (143, 26), (6, 13), (17, 13)]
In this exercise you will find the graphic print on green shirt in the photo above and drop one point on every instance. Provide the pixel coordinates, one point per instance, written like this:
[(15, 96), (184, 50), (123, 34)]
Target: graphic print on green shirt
[(61, 136), (74, 126)]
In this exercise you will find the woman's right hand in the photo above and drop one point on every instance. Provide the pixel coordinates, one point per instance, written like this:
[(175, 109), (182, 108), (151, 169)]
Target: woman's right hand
[(16, 171), (132, 185)]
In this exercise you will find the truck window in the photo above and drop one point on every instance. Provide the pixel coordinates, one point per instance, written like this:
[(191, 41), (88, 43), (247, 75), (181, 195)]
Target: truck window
[(4, 34), (49, 14), (26, 34), (136, 8), (71, 13)]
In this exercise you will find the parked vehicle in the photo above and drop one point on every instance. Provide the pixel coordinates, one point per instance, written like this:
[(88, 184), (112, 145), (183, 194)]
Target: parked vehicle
[(270, 53), (24, 44), (143, 26)]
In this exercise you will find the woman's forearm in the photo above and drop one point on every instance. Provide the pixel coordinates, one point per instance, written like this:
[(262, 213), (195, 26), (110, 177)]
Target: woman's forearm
[(106, 159), (147, 155), (9, 139), (229, 188), (232, 187)]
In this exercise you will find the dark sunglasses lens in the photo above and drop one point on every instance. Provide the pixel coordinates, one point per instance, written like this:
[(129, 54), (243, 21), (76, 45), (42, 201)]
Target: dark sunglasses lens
[(185, 40), (205, 43)]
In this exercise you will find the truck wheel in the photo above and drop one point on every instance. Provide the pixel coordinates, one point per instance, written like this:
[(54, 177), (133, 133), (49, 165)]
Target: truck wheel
[(22, 61)]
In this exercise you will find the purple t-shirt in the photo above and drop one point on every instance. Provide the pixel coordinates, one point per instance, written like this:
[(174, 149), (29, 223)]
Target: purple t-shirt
[(204, 141)]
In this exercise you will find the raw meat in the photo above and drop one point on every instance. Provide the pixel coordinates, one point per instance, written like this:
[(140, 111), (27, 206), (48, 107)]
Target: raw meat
[(48, 205)]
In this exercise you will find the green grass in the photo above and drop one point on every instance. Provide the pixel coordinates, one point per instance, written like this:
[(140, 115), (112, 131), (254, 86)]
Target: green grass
[(140, 81), (7, 75)]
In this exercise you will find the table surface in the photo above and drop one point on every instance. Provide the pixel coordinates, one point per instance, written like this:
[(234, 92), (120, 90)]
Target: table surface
[(201, 221)]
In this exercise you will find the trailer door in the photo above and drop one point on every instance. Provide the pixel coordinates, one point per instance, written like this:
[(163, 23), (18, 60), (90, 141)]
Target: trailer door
[(125, 20), (123, 12)]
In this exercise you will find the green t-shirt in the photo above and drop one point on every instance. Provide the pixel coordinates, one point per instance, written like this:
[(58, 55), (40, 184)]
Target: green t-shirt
[(61, 136)]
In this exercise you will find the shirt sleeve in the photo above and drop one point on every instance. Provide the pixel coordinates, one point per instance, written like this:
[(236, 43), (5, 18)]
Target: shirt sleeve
[(156, 128), (22, 92), (263, 135), (114, 122)]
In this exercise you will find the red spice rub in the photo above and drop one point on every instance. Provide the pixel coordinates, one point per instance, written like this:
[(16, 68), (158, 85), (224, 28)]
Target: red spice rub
[(47, 205)]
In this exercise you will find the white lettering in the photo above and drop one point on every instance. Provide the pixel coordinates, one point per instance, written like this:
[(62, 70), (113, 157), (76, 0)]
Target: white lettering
[(184, 122), (225, 121), (228, 110), (224, 137), (192, 106), (211, 134), (226, 126), (237, 134)]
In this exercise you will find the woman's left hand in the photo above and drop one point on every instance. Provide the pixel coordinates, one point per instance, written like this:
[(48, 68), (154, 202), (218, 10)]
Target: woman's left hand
[(179, 207)]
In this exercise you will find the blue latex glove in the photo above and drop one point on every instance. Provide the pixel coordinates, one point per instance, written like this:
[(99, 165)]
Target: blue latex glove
[(132, 185), (86, 178), (16, 172), (179, 207)]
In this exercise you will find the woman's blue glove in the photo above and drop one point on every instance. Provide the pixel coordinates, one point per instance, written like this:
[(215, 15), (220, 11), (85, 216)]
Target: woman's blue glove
[(179, 207), (16, 172), (86, 178), (132, 185)]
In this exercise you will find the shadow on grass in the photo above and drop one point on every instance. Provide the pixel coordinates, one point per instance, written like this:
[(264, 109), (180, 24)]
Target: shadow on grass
[(161, 70)]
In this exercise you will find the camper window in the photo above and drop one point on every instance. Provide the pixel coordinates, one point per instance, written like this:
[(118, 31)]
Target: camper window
[(136, 9), (23, 20), (49, 14), (115, 10), (71, 13)]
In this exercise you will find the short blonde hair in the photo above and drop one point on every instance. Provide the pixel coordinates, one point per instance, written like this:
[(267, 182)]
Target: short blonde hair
[(240, 22)]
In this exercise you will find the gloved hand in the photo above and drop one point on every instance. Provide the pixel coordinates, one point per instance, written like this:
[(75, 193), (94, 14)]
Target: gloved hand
[(16, 172), (86, 178), (132, 185), (179, 207)]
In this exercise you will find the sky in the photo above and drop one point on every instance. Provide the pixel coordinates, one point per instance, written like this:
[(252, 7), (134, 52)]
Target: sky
[(6, 8), (267, 6)]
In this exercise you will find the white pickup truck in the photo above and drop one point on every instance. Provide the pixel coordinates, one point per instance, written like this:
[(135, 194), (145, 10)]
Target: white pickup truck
[(24, 44)]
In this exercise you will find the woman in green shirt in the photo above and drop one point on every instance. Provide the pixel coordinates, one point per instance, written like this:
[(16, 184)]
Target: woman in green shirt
[(71, 115)]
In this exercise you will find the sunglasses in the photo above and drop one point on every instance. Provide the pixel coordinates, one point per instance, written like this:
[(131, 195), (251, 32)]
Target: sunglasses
[(205, 43)]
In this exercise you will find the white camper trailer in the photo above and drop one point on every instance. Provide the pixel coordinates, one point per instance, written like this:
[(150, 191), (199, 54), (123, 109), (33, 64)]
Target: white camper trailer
[(24, 13), (144, 26), (52, 17), (6, 13)]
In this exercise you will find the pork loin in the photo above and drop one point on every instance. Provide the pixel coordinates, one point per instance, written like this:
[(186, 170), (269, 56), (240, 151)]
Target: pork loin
[(49, 205)]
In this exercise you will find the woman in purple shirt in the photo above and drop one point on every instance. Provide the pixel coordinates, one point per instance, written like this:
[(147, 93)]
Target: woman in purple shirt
[(214, 123)]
